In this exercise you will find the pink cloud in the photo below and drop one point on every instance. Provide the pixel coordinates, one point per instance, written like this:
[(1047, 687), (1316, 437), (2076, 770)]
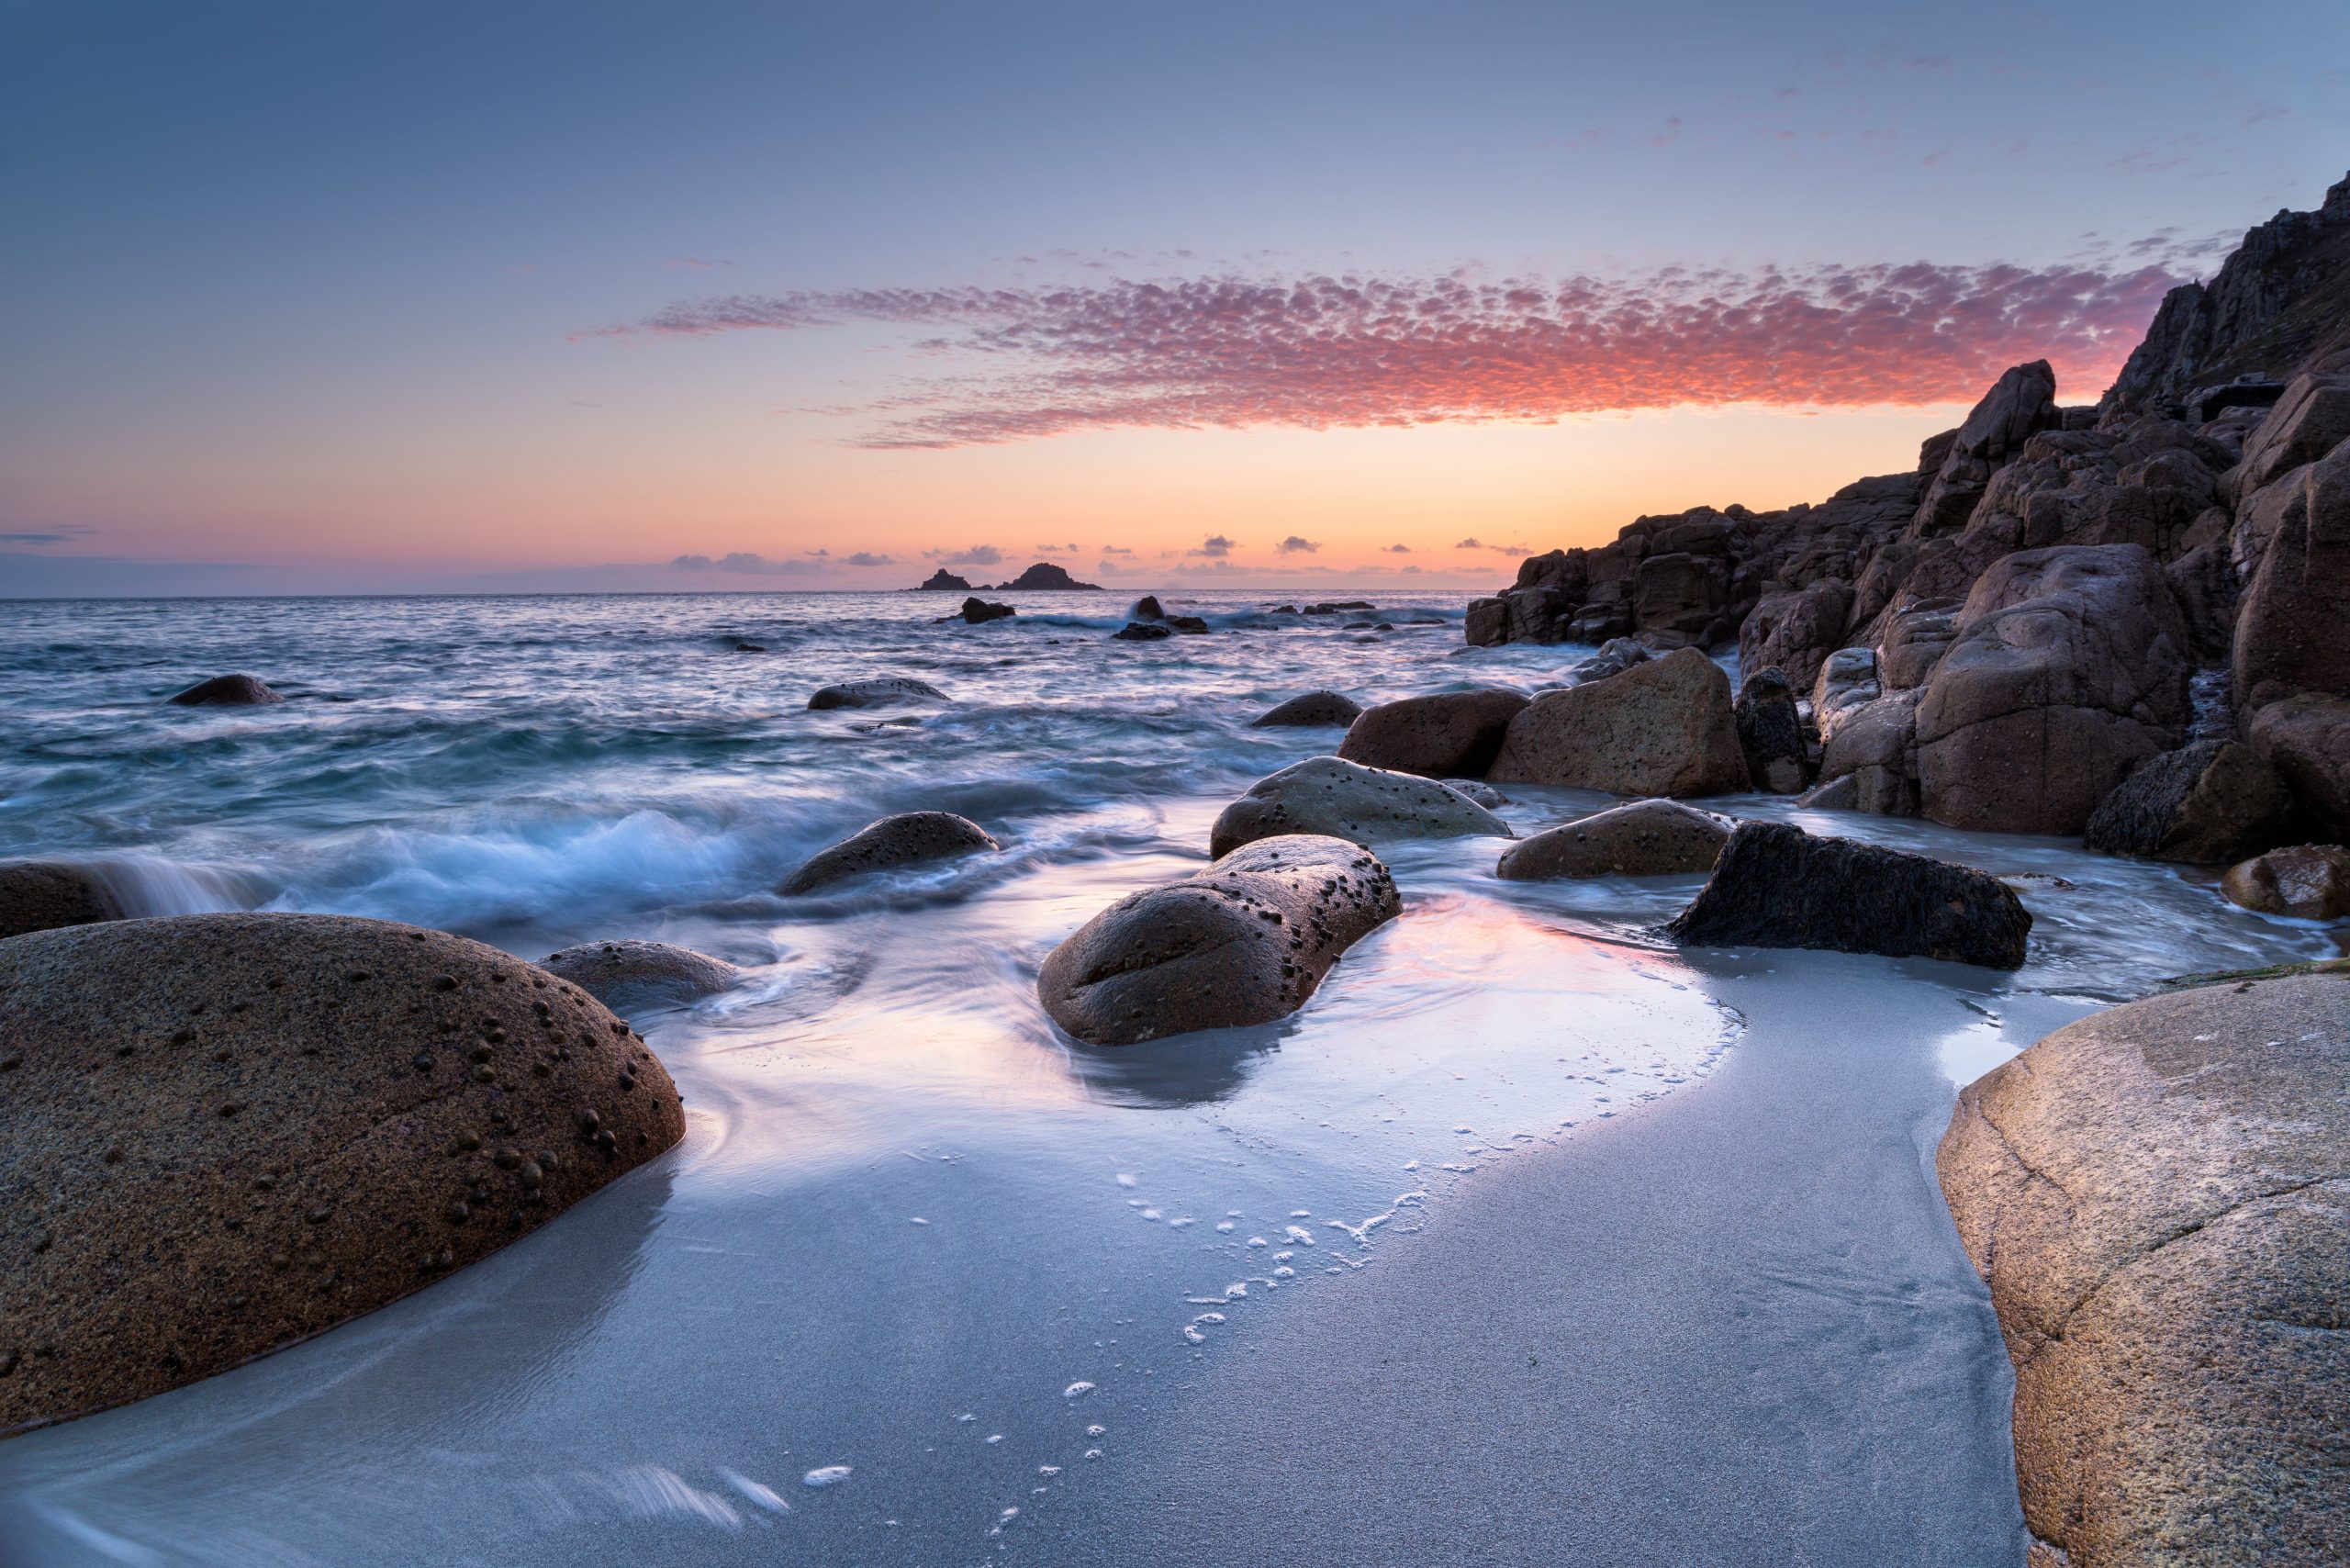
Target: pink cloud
[(1322, 352)]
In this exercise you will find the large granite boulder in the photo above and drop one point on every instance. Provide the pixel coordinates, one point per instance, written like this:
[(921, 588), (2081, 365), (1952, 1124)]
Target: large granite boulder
[(626, 974), (1329, 796), (227, 691), (2206, 804), (1447, 734), (41, 895), (1797, 630), (2157, 1196), (1770, 731), (1776, 886), (224, 1133), (1640, 838), (908, 838), (1876, 747), (1847, 683), (1665, 727), (2291, 623), (1245, 941), (2307, 738), (1917, 634), (2070, 667), (1310, 708), (882, 691), (2310, 419), (2310, 881)]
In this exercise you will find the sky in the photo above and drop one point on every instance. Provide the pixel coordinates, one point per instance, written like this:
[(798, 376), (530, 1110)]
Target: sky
[(543, 297)]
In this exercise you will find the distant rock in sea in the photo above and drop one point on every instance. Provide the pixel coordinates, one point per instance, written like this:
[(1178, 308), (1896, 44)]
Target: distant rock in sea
[(1044, 576), (227, 691), (908, 838), (942, 581), (881, 691)]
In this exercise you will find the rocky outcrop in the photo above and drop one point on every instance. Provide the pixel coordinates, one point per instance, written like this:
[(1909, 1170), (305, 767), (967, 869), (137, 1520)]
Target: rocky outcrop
[(1776, 886), (227, 691), (882, 691), (2020, 404), (1336, 799), (1445, 735), (1667, 727), (909, 838), (1794, 631), (626, 975), (1876, 748), (2310, 419), (1187, 625), (1917, 634), (224, 1133), (41, 895), (943, 582), (979, 611), (2203, 804), (1615, 657), (2311, 882), (1770, 731), (2070, 667), (2281, 301), (2156, 1197), (1143, 631), (1045, 577), (1643, 838), (1245, 941), (2307, 739), (2292, 631), (1310, 708)]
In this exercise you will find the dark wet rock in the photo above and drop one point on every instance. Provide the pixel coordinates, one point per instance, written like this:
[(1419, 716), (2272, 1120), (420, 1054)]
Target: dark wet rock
[(1643, 838), (1665, 727), (2069, 668), (1045, 577), (1770, 731), (2203, 804), (906, 839), (41, 895), (1142, 631), (750, 647), (1847, 683), (1477, 789), (944, 582), (979, 611), (2156, 1197), (2307, 739), (1876, 748), (227, 691), (1615, 657), (1449, 733), (1146, 608), (1310, 708), (2310, 881), (1331, 797), (2292, 632), (1335, 606), (1776, 886), (1841, 794), (1796, 631), (1187, 625), (1245, 941), (883, 691), (628, 974), (225, 1132)]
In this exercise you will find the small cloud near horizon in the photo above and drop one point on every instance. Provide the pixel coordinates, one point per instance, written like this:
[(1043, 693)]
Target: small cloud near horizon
[(1214, 545), (976, 555), (1297, 544), (747, 563), (868, 558), (1399, 550)]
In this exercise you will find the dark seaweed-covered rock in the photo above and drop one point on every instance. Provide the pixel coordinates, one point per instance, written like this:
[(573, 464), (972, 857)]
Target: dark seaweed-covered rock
[(224, 1133), (2202, 804), (628, 974), (1187, 625), (905, 839), (1245, 941), (1770, 731), (41, 895), (1143, 631), (1776, 886), (979, 611), (1310, 708), (227, 691), (1437, 736), (882, 691)]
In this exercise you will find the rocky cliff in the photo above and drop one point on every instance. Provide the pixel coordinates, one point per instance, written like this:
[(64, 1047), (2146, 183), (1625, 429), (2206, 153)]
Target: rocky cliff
[(2052, 595)]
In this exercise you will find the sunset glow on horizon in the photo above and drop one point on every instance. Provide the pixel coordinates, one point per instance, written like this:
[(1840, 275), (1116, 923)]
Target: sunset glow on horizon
[(764, 299)]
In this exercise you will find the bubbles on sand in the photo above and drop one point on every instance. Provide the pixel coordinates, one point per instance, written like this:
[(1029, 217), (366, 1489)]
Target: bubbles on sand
[(826, 1475), (1076, 1389)]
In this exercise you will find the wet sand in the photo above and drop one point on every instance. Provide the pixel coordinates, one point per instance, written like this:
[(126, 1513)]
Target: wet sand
[(1734, 1327)]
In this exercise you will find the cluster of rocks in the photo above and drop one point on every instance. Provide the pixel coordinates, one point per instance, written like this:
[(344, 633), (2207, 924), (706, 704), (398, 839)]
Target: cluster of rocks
[(1042, 578)]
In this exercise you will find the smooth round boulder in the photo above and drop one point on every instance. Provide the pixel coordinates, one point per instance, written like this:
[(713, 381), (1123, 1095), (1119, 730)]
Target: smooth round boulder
[(2158, 1197), (1477, 789), (1310, 708), (41, 895), (1437, 736), (882, 691), (909, 838), (1666, 726), (1344, 800), (1245, 941), (2310, 881), (227, 691), (1644, 838), (224, 1133), (631, 974), (2203, 804)]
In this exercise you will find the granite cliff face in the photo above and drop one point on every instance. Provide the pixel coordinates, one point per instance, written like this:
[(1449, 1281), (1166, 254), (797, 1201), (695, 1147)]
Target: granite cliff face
[(2191, 534)]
